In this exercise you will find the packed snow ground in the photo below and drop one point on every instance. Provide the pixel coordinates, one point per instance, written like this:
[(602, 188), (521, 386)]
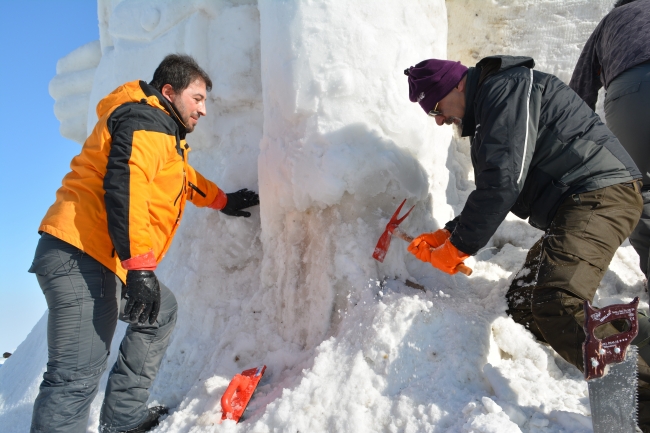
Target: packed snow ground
[(310, 106)]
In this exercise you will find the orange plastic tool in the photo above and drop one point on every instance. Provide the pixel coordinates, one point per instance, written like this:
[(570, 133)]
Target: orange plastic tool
[(239, 393), (392, 230), (384, 241)]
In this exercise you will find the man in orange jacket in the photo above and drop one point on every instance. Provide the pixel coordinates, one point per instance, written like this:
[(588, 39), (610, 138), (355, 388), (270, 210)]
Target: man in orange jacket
[(114, 219)]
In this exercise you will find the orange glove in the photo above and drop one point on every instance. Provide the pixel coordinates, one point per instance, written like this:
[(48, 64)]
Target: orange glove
[(446, 257), (421, 246)]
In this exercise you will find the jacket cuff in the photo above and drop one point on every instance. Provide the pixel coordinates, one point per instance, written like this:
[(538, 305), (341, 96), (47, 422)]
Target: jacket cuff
[(220, 201), (143, 262), (462, 248), (451, 225), (455, 253)]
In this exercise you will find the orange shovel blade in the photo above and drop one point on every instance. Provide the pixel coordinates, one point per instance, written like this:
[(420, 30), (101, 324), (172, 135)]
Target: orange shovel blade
[(239, 393)]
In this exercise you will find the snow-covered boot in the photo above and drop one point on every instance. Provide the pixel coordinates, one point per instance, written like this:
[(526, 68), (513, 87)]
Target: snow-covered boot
[(150, 421)]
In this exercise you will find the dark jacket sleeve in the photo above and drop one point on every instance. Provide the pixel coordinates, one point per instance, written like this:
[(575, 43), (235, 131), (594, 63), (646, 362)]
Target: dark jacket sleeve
[(585, 80), (502, 146)]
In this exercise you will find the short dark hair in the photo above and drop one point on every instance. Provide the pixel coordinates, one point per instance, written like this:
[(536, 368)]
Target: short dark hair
[(622, 2), (179, 71)]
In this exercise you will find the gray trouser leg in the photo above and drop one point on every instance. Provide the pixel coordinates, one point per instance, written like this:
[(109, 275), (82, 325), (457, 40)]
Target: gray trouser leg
[(628, 117), (141, 352), (82, 303), (82, 297), (627, 114), (640, 237)]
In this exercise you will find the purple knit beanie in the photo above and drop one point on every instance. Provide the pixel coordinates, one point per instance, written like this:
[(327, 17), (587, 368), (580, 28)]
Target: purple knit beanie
[(433, 79)]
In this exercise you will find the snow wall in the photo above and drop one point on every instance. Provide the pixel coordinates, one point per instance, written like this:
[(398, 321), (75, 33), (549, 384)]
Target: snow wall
[(310, 106)]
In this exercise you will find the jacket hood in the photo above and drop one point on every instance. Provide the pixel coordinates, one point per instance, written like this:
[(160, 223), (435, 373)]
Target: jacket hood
[(476, 76), (495, 64), (138, 91), (128, 92)]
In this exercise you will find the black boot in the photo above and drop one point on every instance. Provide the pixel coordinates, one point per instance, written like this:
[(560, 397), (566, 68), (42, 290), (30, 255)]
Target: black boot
[(150, 421)]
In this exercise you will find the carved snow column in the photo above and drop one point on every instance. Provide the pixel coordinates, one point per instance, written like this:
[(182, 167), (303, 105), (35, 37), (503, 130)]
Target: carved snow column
[(342, 146)]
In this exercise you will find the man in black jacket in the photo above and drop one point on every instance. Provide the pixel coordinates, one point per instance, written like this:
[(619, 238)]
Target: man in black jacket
[(617, 56), (539, 152)]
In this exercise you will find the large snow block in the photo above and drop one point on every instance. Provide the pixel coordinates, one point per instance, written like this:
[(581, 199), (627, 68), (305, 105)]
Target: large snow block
[(342, 146)]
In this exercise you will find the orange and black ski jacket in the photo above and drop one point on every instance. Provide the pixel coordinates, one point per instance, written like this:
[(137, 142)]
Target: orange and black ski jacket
[(125, 196)]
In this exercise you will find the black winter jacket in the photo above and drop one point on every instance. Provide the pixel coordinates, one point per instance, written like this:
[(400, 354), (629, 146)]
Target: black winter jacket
[(534, 142)]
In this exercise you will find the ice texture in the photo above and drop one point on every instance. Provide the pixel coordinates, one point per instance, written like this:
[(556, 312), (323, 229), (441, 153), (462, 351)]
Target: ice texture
[(310, 108)]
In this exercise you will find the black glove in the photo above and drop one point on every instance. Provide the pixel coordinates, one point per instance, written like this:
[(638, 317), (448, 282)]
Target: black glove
[(142, 293), (240, 200)]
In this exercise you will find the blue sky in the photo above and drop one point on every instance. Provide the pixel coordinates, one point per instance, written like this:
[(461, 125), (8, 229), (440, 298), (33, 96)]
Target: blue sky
[(33, 36)]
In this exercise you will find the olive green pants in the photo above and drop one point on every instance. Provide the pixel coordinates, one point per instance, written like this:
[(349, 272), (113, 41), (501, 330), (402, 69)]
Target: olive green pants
[(566, 266)]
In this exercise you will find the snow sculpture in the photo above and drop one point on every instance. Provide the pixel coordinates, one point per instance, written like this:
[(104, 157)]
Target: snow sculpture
[(342, 146), (71, 89)]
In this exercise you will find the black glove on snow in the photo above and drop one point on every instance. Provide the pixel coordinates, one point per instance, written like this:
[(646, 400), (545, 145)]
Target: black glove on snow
[(142, 293), (240, 200)]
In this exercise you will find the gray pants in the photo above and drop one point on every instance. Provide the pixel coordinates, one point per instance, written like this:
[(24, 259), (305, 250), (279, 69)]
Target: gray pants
[(627, 114), (84, 301), (640, 237)]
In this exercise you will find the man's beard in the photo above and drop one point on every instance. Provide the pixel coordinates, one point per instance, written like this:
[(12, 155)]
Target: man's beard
[(457, 123), (185, 118), (188, 128)]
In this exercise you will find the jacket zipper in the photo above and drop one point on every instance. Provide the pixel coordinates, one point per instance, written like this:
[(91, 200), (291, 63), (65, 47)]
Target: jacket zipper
[(180, 208), (179, 194), (196, 188), (183, 186)]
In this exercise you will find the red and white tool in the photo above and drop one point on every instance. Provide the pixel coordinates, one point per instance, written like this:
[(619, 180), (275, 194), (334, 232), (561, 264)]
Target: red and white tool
[(611, 369), (392, 230), (239, 393)]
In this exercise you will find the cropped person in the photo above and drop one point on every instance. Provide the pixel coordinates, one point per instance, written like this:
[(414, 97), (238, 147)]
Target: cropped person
[(539, 152), (617, 56), (113, 220)]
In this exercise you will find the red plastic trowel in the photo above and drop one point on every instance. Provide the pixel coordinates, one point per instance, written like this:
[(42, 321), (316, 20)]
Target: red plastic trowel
[(239, 393)]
